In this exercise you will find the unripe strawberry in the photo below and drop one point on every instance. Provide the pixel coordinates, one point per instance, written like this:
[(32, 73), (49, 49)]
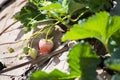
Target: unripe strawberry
[(32, 53), (45, 46)]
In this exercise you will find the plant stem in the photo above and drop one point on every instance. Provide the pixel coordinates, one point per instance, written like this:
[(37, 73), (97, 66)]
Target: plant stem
[(37, 33), (48, 31), (106, 46), (73, 20)]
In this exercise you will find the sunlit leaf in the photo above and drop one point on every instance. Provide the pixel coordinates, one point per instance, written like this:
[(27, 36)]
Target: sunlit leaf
[(54, 75), (83, 62), (101, 26), (55, 7), (35, 2), (40, 3)]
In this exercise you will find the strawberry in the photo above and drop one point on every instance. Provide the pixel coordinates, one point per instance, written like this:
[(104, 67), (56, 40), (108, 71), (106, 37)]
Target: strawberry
[(46, 46), (32, 53)]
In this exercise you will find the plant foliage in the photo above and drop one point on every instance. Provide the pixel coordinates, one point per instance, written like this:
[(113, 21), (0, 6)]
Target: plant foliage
[(114, 61), (84, 19), (54, 75), (41, 10), (29, 16), (116, 77), (100, 26), (80, 58), (83, 62)]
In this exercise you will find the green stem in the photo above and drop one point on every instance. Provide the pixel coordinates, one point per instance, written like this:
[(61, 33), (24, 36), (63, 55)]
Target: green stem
[(69, 17), (47, 20), (59, 19), (69, 77), (74, 20), (48, 32), (33, 19), (106, 46), (35, 35), (54, 25)]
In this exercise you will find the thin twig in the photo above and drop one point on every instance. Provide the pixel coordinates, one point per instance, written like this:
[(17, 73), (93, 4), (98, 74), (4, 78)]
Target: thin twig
[(40, 59)]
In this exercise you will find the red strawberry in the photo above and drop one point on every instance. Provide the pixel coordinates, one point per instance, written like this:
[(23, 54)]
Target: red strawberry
[(45, 46)]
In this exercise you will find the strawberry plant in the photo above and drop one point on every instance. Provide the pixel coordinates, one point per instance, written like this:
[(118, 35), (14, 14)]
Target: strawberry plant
[(62, 11), (81, 20)]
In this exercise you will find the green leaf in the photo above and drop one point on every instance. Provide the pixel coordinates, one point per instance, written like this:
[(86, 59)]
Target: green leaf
[(76, 32), (39, 75), (54, 75), (81, 1), (114, 41), (113, 64), (54, 7), (29, 17), (115, 38), (101, 26), (36, 2), (74, 6), (114, 61), (40, 3), (96, 5), (114, 25), (116, 77), (83, 62)]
